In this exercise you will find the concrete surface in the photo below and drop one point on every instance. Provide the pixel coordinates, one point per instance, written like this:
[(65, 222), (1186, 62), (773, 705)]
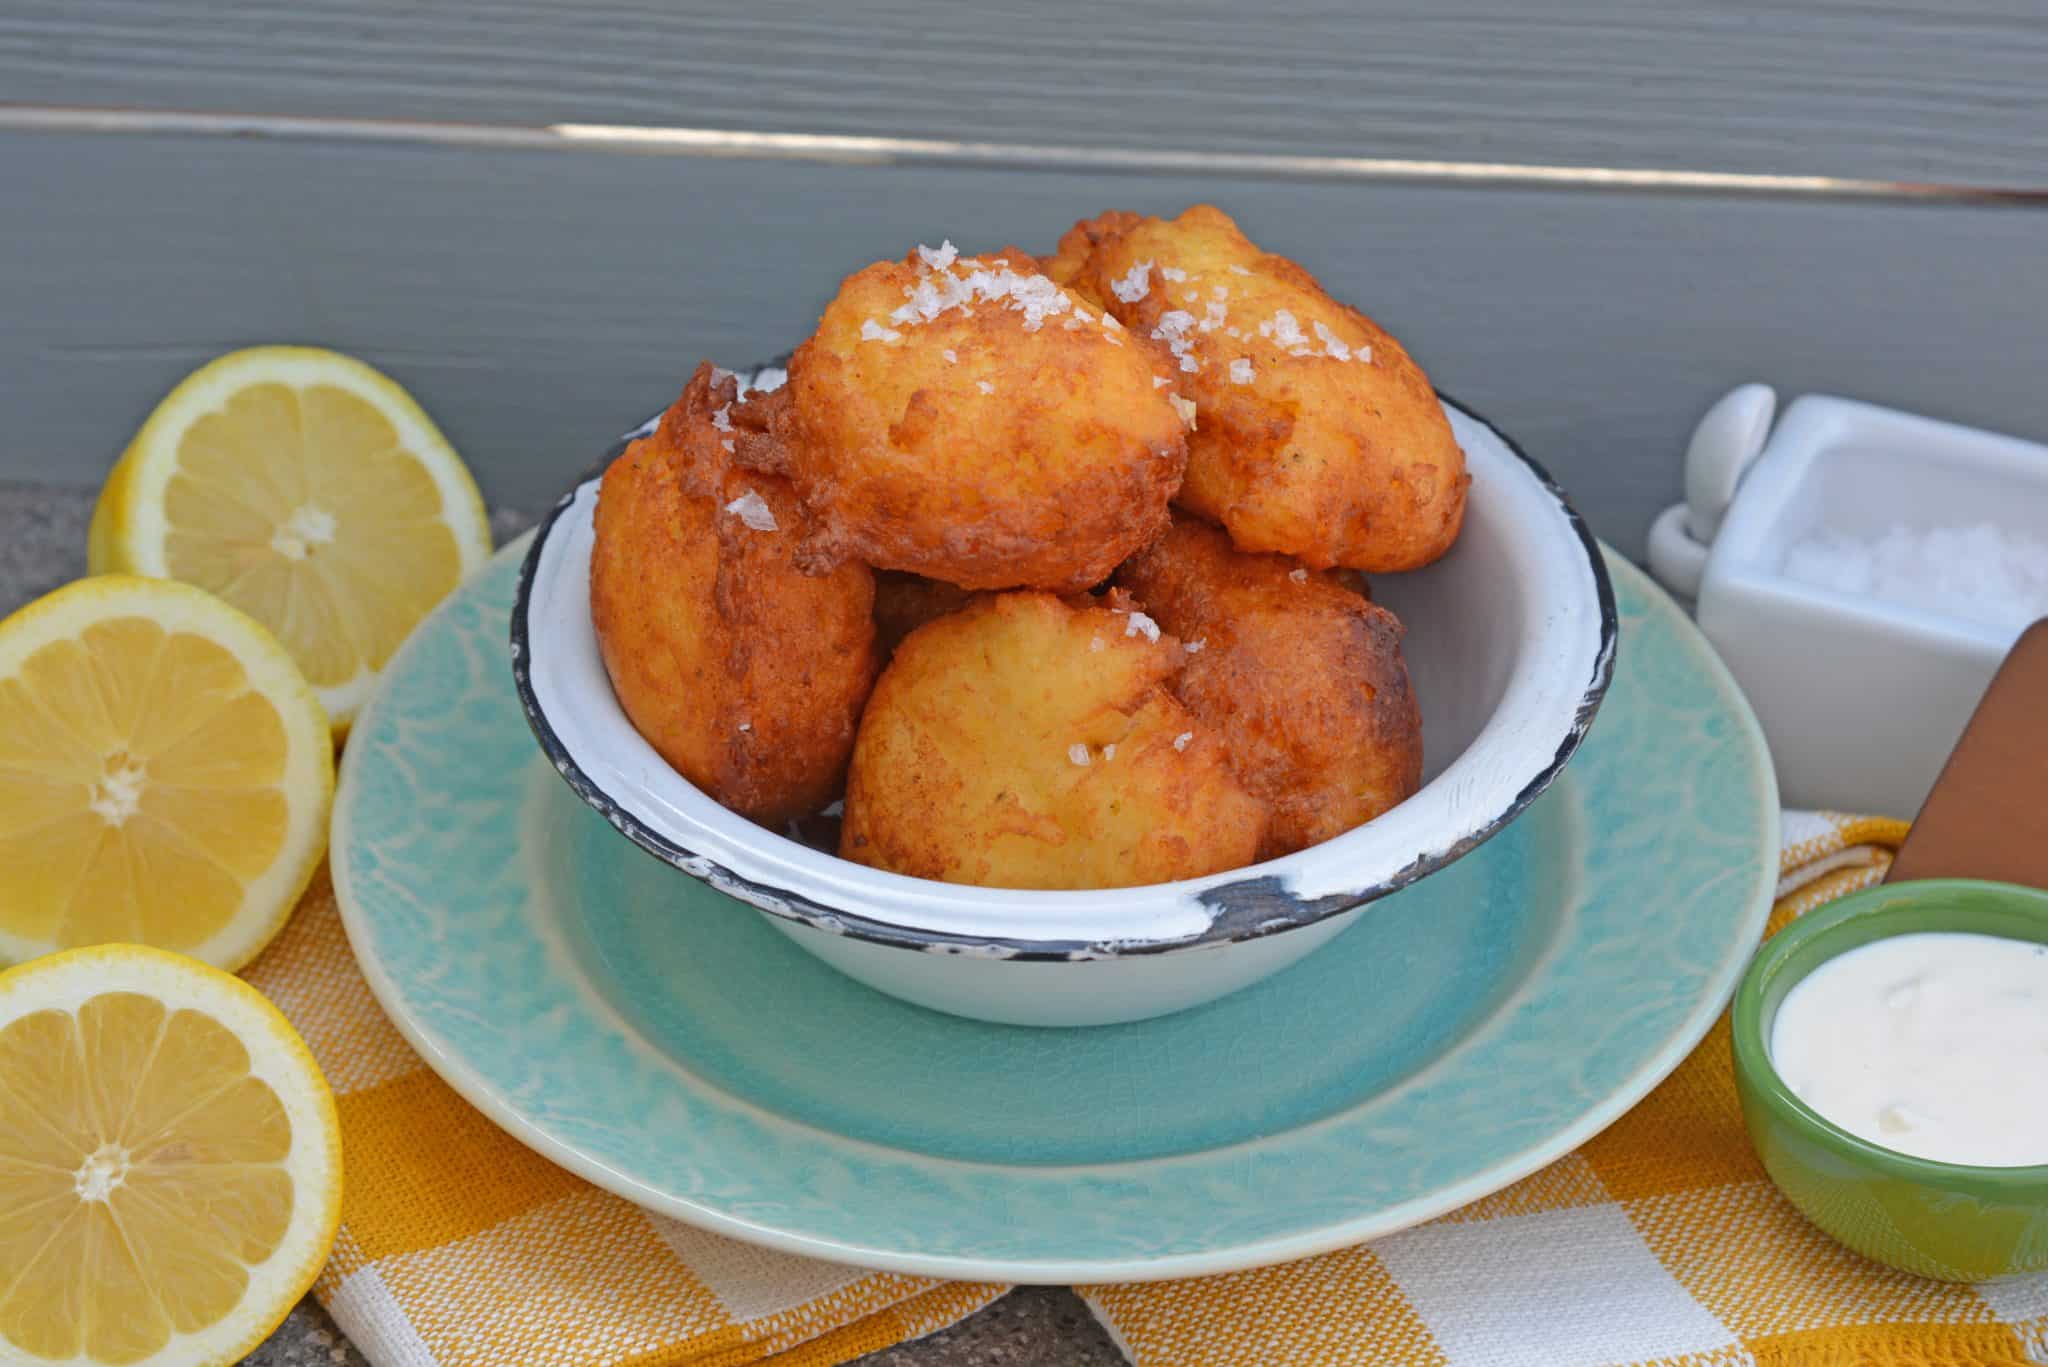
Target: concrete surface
[(1033, 1326)]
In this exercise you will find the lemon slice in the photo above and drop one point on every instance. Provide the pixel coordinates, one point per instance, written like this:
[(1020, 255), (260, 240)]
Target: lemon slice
[(165, 774), (170, 1163), (310, 491)]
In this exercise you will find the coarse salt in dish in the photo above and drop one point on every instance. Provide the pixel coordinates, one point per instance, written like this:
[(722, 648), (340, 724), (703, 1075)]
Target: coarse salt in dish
[(1978, 572)]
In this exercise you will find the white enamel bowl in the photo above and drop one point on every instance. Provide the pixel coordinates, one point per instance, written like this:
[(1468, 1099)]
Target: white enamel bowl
[(1510, 646)]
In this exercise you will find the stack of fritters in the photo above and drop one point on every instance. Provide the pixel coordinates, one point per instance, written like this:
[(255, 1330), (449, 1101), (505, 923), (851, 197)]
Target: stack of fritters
[(1001, 439)]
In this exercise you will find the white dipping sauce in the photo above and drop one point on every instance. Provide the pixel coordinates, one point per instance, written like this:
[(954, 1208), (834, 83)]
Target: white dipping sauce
[(1934, 1045)]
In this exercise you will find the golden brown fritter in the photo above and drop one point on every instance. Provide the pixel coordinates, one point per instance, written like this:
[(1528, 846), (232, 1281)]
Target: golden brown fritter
[(1030, 742), (1300, 676), (745, 673), (1316, 436), (905, 602), (967, 420), (1068, 265)]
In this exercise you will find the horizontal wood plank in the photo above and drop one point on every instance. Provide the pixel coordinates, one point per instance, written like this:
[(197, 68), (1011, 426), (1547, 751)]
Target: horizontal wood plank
[(540, 303), (1882, 89)]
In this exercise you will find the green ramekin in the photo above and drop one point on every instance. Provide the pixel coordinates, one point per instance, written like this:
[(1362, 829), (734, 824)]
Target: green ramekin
[(1946, 1220)]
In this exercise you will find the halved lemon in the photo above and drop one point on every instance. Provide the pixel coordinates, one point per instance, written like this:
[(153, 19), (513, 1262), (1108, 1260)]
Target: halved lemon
[(170, 1161), (307, 489), (165, 774)]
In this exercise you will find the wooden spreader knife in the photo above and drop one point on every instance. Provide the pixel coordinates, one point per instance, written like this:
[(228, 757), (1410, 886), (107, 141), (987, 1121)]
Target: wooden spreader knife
[(1987, 815)]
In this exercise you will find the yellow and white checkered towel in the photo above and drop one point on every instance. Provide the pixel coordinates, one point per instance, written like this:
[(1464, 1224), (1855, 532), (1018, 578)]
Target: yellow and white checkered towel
[(1661, 1241), (461, 1247)]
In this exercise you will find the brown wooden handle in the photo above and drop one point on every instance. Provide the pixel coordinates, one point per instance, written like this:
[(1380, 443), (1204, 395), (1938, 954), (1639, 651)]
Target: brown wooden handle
[(1987, 816)]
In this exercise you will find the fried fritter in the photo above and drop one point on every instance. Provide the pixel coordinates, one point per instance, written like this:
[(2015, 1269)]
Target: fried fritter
[(1300, 676), (1068, 265), (745, 673), (1316, 436), (904, 602), (1029, 742), (966, 419)]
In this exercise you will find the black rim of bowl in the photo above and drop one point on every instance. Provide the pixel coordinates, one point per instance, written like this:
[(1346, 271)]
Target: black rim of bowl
[(1248, 908)]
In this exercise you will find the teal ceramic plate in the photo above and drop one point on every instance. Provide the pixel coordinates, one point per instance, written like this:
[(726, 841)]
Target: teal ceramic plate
[(671, 1045)]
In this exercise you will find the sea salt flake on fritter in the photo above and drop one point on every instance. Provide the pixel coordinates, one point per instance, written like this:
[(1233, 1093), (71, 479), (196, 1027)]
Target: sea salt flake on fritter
[(1134, 284), (753, 510)]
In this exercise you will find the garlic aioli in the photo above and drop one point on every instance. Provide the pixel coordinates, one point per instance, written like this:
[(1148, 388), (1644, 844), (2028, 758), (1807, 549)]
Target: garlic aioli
[(1933, 1044)]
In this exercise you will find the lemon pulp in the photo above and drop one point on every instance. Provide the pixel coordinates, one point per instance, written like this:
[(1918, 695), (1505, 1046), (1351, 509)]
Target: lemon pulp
[(307, 489), (164, 774), (158, 1199)]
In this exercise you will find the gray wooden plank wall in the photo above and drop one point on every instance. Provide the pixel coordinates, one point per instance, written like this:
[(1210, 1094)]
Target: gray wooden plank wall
[(539, 303), (1941, 90)]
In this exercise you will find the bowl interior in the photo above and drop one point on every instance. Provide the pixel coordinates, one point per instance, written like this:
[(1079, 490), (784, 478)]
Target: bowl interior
[(1936, 904), (1510, 646), (1468, 620)]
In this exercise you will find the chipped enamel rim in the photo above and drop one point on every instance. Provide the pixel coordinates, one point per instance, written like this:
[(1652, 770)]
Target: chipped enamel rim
[(1541, 720)]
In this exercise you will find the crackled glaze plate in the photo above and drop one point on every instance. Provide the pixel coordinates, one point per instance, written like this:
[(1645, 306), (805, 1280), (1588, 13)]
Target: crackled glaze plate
[(671, 1045)]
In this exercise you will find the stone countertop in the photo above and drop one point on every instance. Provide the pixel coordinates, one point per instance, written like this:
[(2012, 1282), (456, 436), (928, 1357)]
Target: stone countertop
[(1033, 1326), (42, 545)]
